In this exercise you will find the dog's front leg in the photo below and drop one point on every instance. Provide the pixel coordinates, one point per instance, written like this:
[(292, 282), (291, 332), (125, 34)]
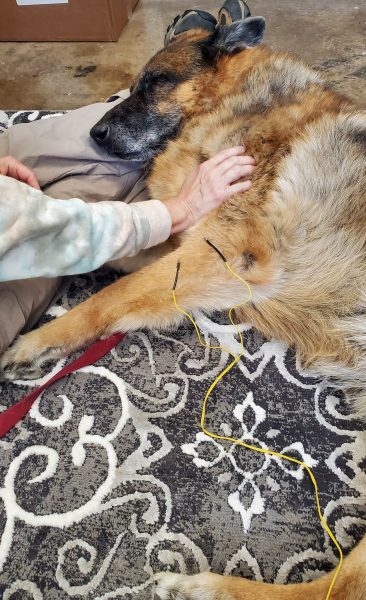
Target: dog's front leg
[(143, 299), (130, 264)]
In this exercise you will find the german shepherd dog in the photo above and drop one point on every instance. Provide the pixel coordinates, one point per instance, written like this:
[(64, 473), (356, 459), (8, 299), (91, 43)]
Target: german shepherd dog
[(297, 236)]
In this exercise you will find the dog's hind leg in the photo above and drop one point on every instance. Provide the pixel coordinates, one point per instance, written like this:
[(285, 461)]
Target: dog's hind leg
[(350, 585), (142, 299)]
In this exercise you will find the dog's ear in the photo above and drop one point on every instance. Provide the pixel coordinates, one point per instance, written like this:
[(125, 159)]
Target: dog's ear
[(229, 39), (241, 34)]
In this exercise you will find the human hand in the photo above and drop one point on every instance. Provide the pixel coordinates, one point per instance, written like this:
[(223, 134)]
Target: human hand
[(11, 167), (209, 185)]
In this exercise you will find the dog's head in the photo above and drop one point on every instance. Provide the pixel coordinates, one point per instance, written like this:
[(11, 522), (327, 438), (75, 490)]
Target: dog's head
[(185, 78)]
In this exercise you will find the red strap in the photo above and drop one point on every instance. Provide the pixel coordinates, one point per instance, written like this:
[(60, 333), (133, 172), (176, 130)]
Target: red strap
[(11, 416)]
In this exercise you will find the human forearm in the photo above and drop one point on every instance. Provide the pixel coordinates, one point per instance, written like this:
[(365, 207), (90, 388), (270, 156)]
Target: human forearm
[(41, 236)]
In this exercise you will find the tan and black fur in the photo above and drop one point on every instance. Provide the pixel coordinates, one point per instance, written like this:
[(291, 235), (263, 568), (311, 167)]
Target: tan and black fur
[(297, 236)]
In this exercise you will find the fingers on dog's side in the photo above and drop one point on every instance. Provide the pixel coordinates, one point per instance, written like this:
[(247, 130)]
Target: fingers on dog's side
[(225, 154)]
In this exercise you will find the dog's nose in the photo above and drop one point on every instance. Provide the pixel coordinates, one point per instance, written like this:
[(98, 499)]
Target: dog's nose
[(100, 133)]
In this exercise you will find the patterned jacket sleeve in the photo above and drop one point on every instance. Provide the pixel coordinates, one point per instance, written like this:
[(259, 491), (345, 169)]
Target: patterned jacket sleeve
[(44, 237)]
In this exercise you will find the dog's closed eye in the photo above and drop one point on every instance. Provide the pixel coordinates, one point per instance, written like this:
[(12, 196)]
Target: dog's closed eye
[(151, 80), (161, 79)]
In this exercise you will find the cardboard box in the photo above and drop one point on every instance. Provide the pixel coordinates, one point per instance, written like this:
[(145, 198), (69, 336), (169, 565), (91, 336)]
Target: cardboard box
[(63, 20)]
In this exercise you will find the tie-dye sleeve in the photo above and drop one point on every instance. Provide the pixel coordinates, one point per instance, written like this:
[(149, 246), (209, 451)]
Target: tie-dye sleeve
[(44, 237)]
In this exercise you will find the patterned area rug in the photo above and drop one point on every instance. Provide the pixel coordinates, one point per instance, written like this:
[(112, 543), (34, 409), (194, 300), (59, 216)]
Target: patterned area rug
[(109, 480)]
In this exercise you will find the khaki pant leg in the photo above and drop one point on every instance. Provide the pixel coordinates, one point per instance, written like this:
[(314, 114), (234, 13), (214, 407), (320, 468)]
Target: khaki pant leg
[(67, 164), (22, 303)]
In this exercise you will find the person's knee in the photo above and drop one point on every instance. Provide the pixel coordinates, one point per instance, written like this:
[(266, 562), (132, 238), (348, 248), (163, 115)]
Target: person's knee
[(22, 303)]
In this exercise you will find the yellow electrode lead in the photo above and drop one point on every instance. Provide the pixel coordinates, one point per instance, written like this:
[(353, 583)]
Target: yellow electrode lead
[(215, 436)]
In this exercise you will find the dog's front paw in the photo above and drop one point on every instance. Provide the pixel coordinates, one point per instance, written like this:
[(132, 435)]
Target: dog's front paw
[(174, 586), (13, 365), (25, 358)]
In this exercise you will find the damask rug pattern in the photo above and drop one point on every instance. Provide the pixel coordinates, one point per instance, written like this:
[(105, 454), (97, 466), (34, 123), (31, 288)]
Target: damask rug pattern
[(109, 479)]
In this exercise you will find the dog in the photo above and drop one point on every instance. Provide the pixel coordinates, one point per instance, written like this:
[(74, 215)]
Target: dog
[(297, 236)]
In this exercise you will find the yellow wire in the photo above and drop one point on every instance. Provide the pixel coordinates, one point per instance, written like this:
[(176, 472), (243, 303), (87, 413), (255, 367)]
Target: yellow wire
[(215, 436)]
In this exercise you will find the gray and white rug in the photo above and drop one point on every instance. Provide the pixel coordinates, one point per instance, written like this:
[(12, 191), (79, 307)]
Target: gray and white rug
[(109, 479)]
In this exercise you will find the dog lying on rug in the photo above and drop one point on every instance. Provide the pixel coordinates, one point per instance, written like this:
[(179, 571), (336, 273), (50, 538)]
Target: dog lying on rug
[(297, 237)]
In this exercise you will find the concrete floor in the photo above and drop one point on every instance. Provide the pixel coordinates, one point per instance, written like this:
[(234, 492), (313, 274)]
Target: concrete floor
[(329, 34)]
